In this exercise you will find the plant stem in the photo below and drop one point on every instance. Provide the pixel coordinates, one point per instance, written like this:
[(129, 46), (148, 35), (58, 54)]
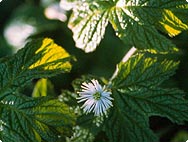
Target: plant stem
[(125, 59)]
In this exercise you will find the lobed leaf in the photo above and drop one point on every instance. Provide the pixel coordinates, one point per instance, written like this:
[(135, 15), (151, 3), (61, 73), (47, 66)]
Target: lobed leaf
[(137, 96), (40, 58), (136, 22), (33, 119), (124, 124), (143, 71), (28, 119), (158, 101)]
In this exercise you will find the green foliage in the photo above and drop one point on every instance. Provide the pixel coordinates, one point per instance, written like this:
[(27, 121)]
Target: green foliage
[(138, 95), (40, 58), (141, 86), (135, 22), (43, 88), (28, 119), (33, 119), (180, 137)]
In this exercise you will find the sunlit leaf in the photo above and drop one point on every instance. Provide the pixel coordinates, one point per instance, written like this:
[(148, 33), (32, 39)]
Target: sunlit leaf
[(136, 22), (88, 27), (169, 24), (33, 119), (138, 95), (40, 58), (51, 56)]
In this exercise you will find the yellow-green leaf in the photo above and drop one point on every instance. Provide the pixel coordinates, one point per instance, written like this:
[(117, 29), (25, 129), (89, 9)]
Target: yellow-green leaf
[(40, 58), (51, 52), (43, 88)]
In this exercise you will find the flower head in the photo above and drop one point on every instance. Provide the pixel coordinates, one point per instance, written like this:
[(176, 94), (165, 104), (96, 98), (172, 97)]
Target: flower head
[(95, 97)]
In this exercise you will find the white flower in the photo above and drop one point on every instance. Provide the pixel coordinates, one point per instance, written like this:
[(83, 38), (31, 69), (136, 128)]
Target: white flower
[(96, 97)]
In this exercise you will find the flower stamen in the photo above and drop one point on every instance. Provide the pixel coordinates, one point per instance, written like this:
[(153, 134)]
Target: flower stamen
[(97, 96)]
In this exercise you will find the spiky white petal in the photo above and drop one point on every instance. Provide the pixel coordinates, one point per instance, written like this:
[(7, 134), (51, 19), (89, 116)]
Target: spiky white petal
[(87, 95)]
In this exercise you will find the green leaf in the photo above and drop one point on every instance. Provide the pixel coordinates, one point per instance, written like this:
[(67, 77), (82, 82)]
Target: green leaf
[(158, 101), (138, 95), (43, 88), (135, 22), (143, 71), (29, 119), (164, 15), (124, 124), (40, 58), (33, 119)]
